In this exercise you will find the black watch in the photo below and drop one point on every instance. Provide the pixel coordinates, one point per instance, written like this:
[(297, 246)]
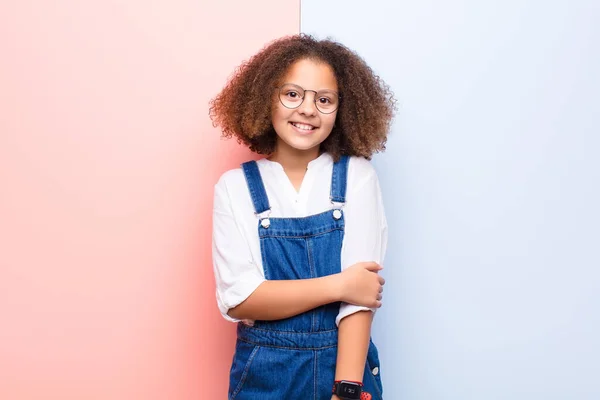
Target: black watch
[(347, 390)]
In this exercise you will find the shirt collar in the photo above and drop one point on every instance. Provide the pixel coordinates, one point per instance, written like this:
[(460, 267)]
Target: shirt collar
[(318, 163)]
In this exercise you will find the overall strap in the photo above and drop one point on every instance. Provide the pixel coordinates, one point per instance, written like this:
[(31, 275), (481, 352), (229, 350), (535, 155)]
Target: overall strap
[(256, 187), (338, 180)]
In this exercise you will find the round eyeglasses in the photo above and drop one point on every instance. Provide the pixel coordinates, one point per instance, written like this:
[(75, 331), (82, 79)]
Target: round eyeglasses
[(292, 96)]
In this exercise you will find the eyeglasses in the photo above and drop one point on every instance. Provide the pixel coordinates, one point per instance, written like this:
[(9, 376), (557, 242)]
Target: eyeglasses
[(292, 96)]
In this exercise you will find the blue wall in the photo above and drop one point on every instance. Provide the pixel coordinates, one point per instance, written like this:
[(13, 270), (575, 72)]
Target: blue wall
[(491, 184)]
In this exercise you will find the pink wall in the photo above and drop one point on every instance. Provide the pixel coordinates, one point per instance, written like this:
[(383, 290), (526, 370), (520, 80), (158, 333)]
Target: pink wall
[(107, 163)]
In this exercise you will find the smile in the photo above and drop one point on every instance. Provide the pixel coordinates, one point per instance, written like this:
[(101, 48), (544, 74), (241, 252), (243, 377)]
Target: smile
[(303, 127)]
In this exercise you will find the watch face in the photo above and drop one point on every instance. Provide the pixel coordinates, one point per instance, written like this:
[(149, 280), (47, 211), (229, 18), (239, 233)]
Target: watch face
[(349, 390)]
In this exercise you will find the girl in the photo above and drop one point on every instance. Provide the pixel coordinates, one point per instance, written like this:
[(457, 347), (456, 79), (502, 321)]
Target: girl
[(299, 236)]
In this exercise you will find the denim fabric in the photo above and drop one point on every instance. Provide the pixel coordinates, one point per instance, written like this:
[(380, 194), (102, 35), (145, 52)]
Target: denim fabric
[(295, 358)]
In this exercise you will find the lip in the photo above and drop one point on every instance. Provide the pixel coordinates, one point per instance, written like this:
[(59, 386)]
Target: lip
[(301, 131)]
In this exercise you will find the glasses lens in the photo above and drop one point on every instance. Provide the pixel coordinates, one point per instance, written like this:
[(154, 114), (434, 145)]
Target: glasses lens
[(327, 101), (291, 96)]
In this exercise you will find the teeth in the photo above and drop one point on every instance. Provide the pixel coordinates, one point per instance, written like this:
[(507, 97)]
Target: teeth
[(303, 126)]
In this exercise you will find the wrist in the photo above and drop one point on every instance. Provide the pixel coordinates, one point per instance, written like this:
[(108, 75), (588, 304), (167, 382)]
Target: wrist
[(336, 287)]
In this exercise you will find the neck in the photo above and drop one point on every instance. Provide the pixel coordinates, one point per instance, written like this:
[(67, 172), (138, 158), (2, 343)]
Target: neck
[(292, 159)]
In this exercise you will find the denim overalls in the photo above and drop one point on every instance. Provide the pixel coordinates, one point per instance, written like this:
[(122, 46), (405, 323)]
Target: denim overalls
[(294, 358)]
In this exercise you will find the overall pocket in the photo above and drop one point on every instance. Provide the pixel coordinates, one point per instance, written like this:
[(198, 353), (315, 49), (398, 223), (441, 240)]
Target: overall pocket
[(375, 370), (242, 360)]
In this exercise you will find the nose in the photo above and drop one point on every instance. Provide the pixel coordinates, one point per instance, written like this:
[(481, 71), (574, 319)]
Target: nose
[(308, 106)]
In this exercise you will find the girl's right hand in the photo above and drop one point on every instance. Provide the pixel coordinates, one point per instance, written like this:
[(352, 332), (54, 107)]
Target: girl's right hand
[(361, 284)]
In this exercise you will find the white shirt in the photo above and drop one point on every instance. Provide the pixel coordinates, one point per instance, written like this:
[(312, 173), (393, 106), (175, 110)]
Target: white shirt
[(237, 261)]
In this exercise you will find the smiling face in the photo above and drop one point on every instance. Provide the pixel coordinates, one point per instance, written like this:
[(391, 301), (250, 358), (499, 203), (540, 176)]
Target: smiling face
[(304, 128)]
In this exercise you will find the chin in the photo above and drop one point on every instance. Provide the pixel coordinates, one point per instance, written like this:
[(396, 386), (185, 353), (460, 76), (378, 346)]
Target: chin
[(303, 144)]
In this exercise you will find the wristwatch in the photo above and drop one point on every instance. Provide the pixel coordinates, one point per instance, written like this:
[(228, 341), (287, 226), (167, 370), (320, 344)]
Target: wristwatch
[(347, 390)]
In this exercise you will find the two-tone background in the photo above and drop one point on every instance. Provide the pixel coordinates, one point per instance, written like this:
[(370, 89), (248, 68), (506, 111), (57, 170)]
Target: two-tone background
[(491, 185)]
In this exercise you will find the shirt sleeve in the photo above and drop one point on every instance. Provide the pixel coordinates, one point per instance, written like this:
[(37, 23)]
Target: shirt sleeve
[(365, 233), (236, 274)]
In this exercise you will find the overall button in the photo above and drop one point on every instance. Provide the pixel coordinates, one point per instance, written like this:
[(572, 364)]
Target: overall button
[(337, 214), (375, 371), (265, 223)]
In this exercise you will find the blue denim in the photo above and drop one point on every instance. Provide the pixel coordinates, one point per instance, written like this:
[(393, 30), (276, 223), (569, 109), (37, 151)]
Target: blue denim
[(294, 358)]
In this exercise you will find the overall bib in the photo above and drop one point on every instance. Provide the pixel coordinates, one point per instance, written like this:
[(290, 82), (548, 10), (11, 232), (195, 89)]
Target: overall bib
[(294, 358)]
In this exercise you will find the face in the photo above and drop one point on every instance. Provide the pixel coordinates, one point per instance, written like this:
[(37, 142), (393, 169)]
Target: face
[(304, 128)]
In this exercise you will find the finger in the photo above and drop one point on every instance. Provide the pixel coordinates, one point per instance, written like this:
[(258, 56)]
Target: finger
[(373, 267), (378, 304), (379, 297), (380, 289), (381, 281)]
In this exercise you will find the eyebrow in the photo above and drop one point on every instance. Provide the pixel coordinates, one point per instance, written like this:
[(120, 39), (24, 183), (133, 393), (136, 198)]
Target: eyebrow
[(312, 90)]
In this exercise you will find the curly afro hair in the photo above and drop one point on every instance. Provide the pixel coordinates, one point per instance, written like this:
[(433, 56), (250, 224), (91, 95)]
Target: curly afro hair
[(243, 110)]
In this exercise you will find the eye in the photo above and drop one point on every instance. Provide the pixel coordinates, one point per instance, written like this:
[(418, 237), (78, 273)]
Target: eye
[(293, 94), (324, 100)]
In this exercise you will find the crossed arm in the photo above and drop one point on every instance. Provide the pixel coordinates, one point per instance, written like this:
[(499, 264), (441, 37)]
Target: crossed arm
[(279, 299)]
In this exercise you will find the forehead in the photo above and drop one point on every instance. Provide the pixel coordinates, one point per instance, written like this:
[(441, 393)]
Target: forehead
[(311, 74)]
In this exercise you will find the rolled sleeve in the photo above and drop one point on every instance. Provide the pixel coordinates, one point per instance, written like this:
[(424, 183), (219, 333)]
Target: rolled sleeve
[(236, 274), (349, 309)]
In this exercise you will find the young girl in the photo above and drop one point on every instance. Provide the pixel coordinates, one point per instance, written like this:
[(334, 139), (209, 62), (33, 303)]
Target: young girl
[(299, 236)]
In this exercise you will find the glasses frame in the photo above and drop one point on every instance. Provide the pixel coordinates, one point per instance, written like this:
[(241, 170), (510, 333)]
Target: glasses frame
[(303, 97)]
